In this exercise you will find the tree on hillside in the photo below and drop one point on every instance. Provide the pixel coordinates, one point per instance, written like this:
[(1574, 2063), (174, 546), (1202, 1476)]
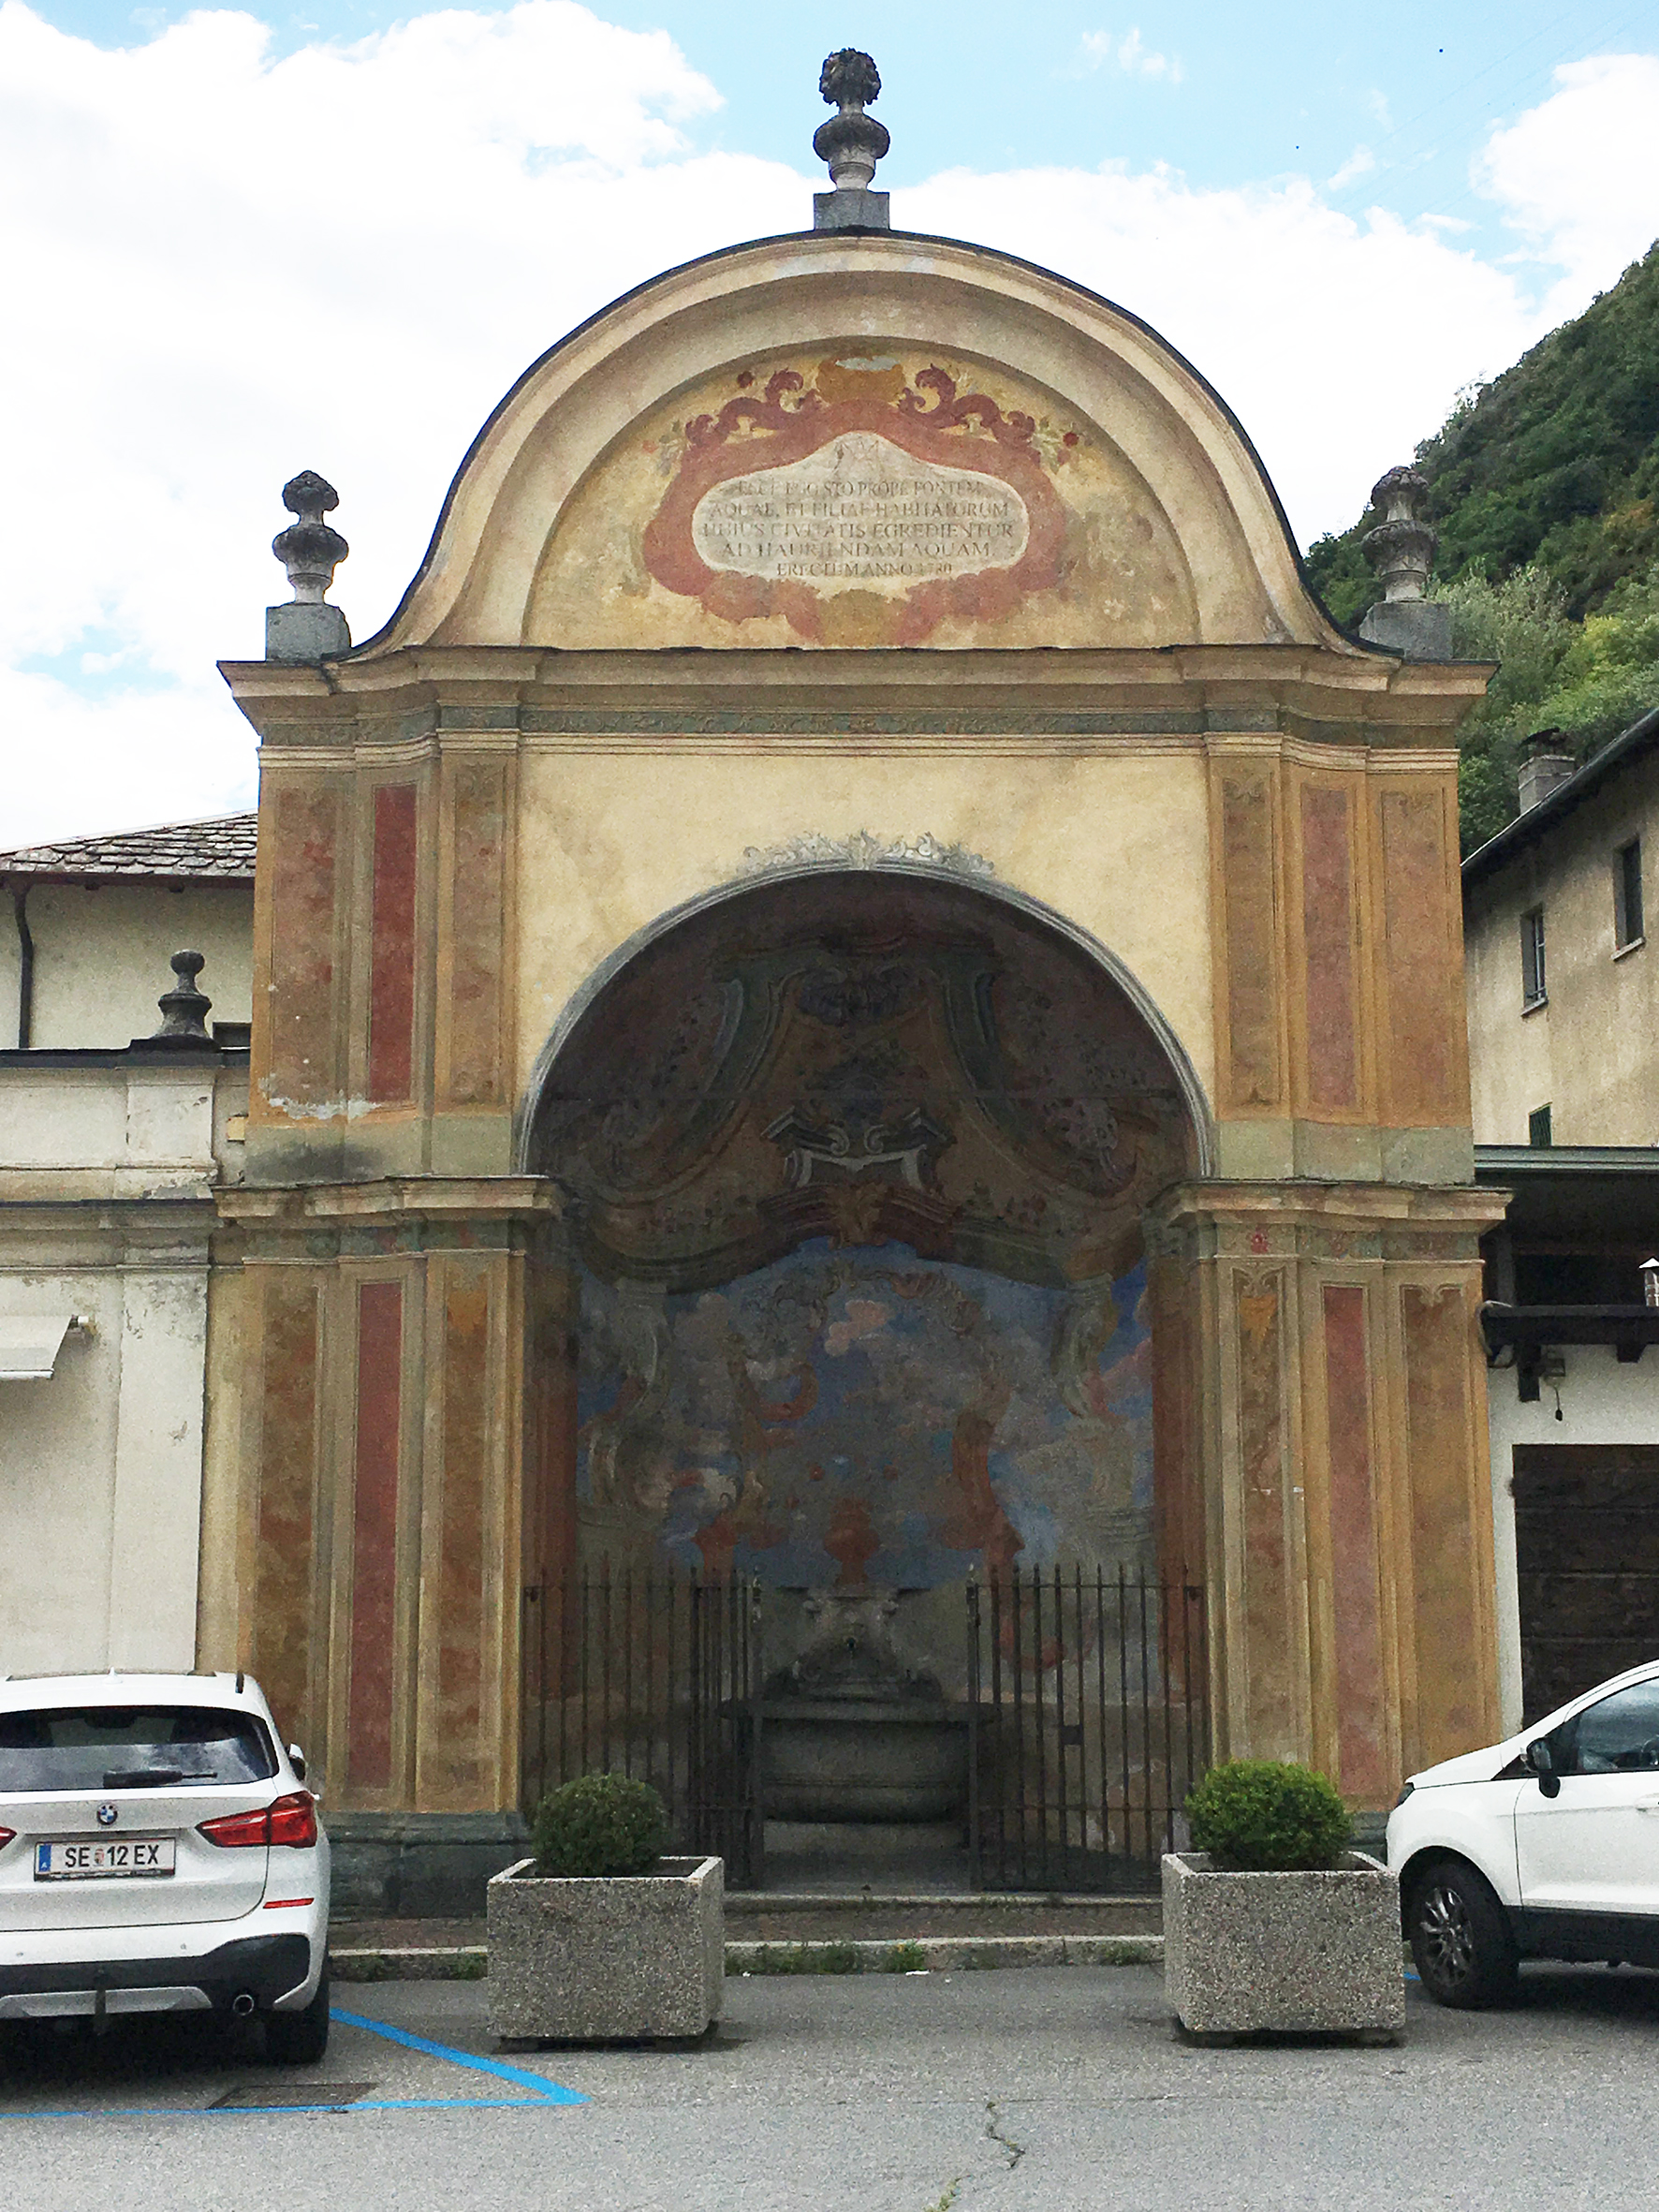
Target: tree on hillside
[(1589, 680), (1543, 486)]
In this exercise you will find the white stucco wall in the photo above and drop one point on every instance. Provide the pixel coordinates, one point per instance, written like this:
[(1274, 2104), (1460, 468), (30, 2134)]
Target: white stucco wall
[(1601, 1402), (1587, 1051), (106, 1211), (101, 955), (100, 1471)]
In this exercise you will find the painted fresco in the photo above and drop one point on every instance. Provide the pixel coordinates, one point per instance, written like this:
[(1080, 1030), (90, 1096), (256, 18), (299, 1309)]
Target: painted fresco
[(859, 1415), (871, 1059), (873, 498)]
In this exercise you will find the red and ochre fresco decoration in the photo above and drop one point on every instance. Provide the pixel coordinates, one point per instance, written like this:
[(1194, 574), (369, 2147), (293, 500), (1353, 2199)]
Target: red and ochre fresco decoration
[(854, 1170), (970, 533)]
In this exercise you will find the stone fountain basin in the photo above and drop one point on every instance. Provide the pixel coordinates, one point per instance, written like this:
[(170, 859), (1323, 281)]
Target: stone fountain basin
[(862, 1758)]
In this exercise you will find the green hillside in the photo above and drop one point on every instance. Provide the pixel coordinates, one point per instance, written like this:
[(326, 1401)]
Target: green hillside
[(1544, 490)]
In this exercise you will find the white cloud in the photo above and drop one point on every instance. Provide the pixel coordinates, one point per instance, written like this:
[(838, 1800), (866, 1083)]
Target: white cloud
[(1101, 49), (221, 268), (1337, 343), (1576, 175), (1360, 164)]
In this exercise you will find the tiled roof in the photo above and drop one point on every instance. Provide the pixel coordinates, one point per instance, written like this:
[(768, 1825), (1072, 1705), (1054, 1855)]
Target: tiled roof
[(221, 849), (1526, 828)]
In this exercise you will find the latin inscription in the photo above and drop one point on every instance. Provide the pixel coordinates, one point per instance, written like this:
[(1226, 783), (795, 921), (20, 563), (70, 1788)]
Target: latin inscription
[(860, 513)]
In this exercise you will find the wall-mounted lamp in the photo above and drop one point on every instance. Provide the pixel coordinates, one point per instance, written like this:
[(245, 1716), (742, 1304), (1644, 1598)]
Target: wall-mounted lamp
[(1651, 1282)]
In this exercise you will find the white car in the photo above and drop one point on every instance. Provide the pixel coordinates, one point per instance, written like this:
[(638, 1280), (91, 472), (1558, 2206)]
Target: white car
[(159, 1853), (1544, 1847)]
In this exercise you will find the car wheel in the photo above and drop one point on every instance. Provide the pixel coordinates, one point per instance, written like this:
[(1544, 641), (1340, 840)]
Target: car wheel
[(300, 2039), (1460, 1936)]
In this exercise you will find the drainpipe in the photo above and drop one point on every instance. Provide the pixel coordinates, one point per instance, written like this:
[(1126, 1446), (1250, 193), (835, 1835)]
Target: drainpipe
[(26, 967)]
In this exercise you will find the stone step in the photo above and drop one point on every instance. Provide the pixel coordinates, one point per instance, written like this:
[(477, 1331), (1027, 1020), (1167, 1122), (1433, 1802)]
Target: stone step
[(815, 1932), (457, 1962), (942, 1955), (872, 1916)]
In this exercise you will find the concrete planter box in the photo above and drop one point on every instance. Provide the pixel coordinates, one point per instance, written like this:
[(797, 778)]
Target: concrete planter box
[(1293, 1951), (606, 1960)]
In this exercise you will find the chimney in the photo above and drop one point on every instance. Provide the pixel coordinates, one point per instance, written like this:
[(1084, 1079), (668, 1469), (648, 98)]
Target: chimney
[(1546, 766)]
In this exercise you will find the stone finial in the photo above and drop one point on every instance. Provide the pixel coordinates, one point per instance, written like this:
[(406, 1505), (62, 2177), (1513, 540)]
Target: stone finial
[(309, 549), (1399, 549), (308, 629), (852, 143), (1403, 544), (184, 1009)]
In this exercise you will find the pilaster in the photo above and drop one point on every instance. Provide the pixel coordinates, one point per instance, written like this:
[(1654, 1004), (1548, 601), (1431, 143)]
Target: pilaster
[(1340, 1432)]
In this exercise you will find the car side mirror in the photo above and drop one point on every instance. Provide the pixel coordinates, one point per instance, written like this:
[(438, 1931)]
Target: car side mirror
[(1541, 1759), (296, 1760)]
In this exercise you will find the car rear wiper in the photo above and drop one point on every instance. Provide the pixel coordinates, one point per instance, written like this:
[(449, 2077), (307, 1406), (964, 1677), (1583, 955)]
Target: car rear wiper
[(149, 1778)]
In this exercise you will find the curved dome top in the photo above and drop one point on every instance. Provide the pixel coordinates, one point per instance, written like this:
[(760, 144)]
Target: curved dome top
[(874, 441)]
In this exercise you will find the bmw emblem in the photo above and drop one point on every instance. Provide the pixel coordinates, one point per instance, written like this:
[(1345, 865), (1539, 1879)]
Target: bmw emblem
[(107, 1816)]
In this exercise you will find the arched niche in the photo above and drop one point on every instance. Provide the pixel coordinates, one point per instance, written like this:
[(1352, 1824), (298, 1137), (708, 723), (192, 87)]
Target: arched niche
[(854, 1164)]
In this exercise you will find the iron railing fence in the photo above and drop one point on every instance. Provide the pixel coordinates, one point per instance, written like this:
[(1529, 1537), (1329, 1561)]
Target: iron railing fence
[(1089, 1725), (657, 1675), (1086, 1698)]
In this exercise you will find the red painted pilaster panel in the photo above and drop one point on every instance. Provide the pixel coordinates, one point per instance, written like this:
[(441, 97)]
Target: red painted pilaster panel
[(1353, 1548), (1327, 944), (374, 1515), (1270, 1706), (391, 980)]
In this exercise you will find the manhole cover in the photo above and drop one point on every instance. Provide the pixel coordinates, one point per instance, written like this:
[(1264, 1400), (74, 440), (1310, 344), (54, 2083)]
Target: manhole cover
[(289, 2095)]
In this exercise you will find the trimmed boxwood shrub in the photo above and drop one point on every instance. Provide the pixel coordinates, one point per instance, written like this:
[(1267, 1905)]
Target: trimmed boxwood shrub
[(599, 1825), (1266, 1816)]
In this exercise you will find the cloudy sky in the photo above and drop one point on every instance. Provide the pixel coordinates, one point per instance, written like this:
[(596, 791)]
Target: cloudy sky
[(235, 245)]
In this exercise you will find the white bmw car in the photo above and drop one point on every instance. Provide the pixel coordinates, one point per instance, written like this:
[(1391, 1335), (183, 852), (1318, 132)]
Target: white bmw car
[(1546, 1846), (159, 1852)]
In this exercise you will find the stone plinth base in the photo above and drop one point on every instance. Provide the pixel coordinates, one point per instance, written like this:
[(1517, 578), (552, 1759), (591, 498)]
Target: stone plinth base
[(850, 209), (1292, 1951), (1420, 628), (419, 1866), (600, 1961), (305, 631)]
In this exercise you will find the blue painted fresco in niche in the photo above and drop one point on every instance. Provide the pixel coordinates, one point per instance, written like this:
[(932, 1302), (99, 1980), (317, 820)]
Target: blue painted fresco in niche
[(859, 1414)]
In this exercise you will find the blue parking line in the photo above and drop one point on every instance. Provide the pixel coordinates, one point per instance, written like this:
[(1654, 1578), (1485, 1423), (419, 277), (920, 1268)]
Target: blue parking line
[(234, 2112), (545, 2091)]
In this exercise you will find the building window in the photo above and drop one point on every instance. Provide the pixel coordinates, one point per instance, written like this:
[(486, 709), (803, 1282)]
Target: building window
[(1531, 958), (1538, 1128), (1627, 895)]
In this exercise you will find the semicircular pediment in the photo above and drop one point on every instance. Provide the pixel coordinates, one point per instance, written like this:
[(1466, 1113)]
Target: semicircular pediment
[(865, 499), (882, 440)]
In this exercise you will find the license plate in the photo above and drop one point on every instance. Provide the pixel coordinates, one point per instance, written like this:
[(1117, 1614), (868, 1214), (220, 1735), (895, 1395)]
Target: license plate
[(94, 1862)]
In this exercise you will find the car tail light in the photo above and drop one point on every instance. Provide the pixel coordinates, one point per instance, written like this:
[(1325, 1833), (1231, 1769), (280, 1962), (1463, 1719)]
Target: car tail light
[(233, 1828), (5, 1836), (291, 1819)]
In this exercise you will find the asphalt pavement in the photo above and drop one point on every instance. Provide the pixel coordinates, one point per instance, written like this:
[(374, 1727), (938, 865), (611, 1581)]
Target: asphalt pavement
[(1041, 2090)]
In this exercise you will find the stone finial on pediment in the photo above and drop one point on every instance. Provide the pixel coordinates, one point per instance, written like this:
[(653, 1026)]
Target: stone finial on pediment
[(1401, 546), (310, 549), (852, 143)]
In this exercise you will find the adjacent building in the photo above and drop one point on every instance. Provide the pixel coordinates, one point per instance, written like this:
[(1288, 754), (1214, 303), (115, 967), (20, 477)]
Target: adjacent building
[(1564, 1030), (121, 1121)]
